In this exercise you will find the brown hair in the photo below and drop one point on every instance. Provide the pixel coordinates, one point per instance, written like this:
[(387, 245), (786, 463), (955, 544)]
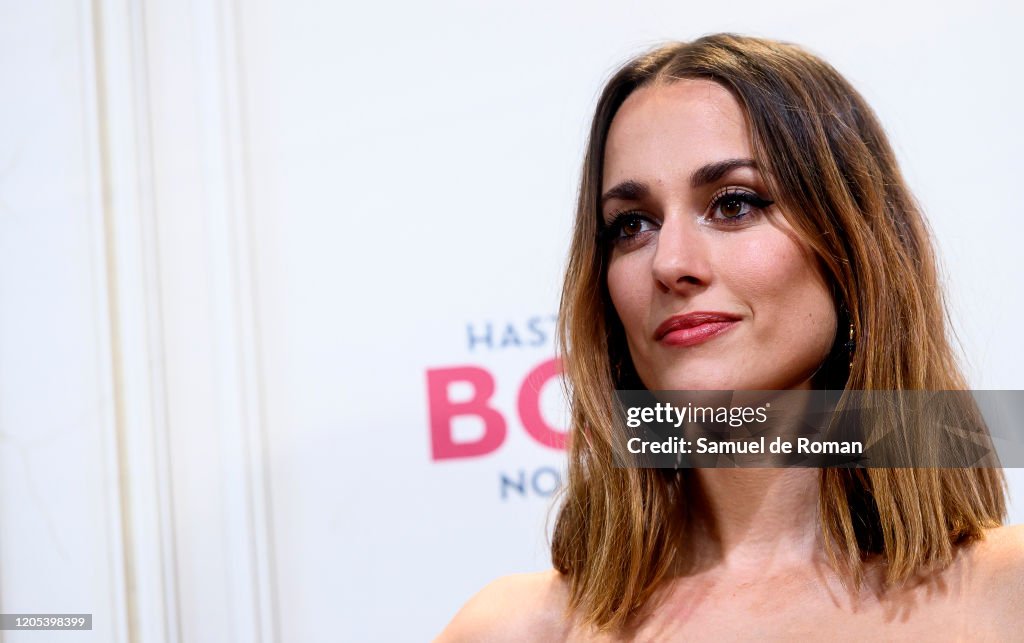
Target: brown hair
[(620, 531)]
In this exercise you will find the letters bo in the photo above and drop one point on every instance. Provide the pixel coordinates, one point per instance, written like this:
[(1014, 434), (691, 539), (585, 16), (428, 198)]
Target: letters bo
[(443, 410)]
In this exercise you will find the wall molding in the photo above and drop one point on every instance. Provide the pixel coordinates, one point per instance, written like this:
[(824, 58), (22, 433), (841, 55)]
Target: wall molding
[(125, 160), (184, 335)]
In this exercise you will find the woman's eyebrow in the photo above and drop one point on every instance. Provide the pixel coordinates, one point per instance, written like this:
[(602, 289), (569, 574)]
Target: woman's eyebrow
[(714, 171), (636, 191), (626, 191)]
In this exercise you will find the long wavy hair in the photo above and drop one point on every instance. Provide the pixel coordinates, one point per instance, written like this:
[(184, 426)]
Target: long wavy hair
[(621, 532)]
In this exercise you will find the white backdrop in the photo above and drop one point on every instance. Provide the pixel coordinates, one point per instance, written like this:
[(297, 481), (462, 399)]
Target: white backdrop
[(239, 239)]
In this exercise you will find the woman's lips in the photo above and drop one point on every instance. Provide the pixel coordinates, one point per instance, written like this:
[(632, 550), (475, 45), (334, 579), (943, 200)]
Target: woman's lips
[(694, 328)]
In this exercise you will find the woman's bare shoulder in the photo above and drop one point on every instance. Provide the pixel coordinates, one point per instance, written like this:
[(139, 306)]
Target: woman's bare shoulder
[(521, 607), (997, 573), (1000, 556), (1003, 548)]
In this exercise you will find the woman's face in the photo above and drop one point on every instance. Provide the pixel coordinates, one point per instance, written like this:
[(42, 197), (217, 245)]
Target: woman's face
[(711, 283)]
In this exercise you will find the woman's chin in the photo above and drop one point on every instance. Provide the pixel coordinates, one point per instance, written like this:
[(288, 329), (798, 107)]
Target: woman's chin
[(698, 384), (694, 378)]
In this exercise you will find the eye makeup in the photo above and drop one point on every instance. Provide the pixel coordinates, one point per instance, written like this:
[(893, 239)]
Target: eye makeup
[(732, 206)]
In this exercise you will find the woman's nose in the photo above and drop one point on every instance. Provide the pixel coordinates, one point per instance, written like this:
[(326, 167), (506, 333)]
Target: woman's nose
[(681, 261)]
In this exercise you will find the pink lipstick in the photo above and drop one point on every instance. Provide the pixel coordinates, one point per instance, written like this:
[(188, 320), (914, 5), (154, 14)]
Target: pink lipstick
[(693, 328)]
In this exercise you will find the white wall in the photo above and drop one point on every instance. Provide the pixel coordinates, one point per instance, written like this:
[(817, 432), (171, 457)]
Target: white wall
[(235, 237)]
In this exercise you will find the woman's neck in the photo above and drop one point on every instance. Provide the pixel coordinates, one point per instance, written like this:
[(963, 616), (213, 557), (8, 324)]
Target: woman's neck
[(756, 519)]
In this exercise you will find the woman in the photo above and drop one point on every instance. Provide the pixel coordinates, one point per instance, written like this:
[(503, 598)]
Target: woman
[(741, 218)]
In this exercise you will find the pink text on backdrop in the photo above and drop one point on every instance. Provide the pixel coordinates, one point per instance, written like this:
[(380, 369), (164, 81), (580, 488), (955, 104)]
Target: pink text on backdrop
[(443, 410)]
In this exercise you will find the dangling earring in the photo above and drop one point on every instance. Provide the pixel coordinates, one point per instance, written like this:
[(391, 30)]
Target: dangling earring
[(850, 345)]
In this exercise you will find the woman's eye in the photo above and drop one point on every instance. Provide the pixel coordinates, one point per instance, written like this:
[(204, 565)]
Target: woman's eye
[(627, 227), (732, 208), (735, 205), (632, 225)]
